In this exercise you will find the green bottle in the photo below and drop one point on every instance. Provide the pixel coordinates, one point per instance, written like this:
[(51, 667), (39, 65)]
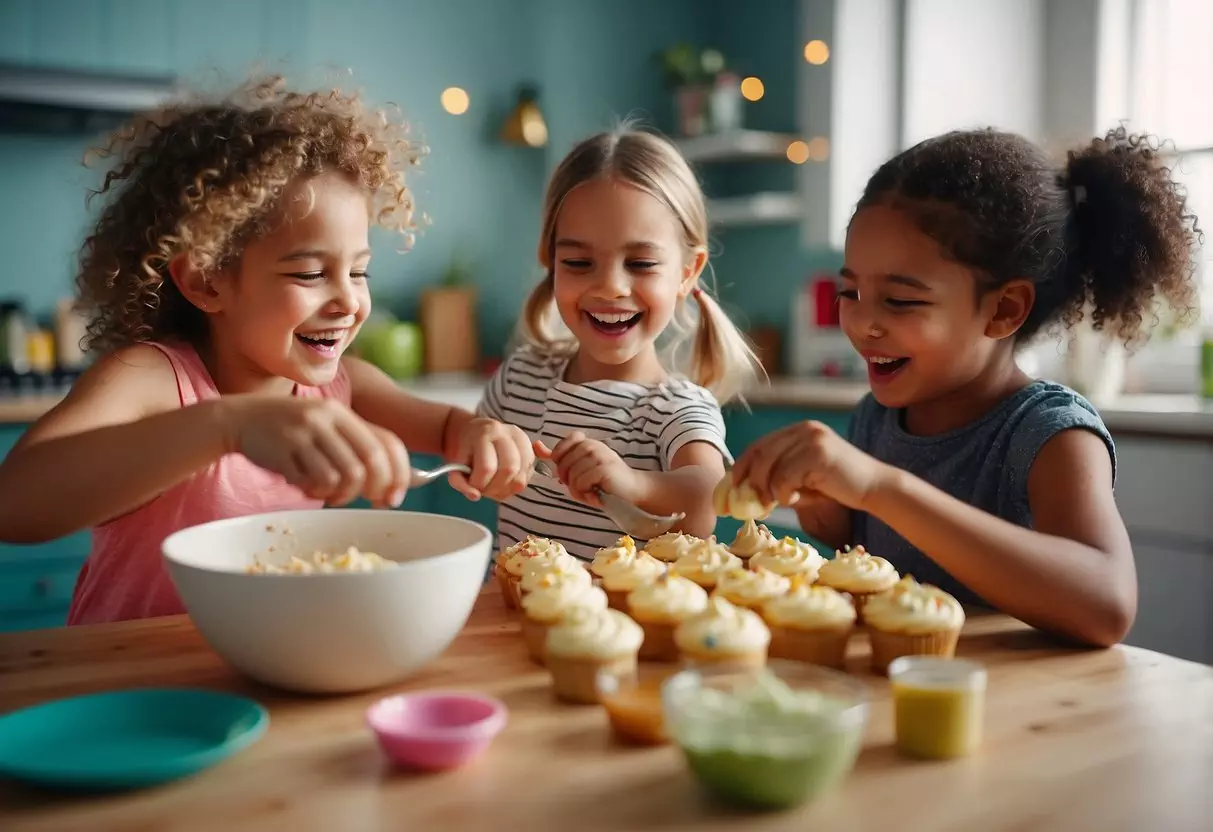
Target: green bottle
[(1206, 362)]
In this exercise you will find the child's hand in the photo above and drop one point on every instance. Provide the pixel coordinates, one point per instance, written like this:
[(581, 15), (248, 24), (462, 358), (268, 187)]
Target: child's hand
[(809, 460), (584, 464), (500, 457), (321, 446)]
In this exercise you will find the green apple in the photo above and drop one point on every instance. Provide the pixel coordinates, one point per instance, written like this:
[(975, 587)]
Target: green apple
[(396, 347)]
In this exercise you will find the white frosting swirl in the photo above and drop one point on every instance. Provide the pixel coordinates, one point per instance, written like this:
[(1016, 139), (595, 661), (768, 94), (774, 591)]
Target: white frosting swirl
[(670, 546), (751, 539), (789, 557), (911, 607), (536, 571), (668, 600), (624, 575), (609, 558), (585, 633), (810, 608), (750, 588), (705, 562), (739, 501), (515, 558), (857, 571), (722, 629), (549, 602)]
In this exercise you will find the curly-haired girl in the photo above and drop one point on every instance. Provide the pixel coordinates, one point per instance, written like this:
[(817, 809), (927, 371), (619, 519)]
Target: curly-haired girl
[(225, 278), (961, 469)]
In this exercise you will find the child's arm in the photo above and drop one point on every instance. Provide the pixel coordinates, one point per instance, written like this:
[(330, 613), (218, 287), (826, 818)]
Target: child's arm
[(825, 520), (1073, 574), (500, 455), (120, 438), (585, 464)]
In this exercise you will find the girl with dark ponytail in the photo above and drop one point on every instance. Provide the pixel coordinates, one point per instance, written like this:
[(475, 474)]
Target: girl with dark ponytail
[(960, 468)]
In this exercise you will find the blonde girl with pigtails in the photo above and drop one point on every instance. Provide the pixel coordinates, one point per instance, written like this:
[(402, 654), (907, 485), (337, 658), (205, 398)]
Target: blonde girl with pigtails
[(621, 388)]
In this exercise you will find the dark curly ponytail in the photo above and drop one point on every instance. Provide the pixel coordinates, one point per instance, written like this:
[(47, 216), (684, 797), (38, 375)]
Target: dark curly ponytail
[(1109, 232)]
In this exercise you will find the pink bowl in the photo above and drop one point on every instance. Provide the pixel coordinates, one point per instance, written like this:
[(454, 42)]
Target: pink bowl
[(435, 730)]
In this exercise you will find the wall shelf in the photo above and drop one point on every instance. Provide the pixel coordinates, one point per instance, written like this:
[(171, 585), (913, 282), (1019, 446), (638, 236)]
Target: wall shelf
[(775, 208), (736, 146)]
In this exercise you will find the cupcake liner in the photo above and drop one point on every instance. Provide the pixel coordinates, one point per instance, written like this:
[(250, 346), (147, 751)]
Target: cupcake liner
[(757, 658), (826, 647), (888, 646), (658, 644), (576, 679), (508, 593), (535, 634), (617, 599)]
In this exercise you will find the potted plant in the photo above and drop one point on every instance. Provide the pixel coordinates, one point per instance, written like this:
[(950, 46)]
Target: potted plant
[(448, 319), (707, 96)]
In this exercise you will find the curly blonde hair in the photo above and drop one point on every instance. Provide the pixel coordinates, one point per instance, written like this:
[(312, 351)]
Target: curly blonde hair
[(202, 177)]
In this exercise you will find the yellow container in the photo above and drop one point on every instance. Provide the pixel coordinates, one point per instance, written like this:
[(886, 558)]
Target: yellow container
[(938, 706)]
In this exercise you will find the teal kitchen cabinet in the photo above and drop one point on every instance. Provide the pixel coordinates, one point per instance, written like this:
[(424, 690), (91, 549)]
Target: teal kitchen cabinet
[(36, 582)]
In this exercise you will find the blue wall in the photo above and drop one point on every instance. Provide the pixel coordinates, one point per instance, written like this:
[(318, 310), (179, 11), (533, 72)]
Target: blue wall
[(590, 58)]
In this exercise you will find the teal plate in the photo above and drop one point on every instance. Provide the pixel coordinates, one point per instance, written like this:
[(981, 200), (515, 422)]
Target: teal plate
[(126, 739)]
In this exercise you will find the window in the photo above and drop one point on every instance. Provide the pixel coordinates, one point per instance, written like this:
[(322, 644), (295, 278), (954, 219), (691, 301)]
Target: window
[(1170, 95)]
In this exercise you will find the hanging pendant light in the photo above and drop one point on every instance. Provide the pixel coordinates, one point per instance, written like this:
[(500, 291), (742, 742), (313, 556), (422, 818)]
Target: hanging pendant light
[(525, 125)]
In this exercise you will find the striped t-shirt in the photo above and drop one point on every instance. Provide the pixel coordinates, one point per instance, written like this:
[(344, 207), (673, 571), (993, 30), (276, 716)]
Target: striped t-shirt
[(645, 424)]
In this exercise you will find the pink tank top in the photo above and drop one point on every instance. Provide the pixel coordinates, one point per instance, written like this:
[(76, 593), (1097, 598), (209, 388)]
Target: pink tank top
[(124, 576)]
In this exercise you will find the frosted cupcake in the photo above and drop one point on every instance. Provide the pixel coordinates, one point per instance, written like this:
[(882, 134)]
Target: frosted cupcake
[(670, 546), (739, 501), (546, 603), (586, 641), (512, 562), (858, 574), (706, 562), (625, 574), (912, 619), (724, 633), (563, 565), (750, 588), (659, 608), (605, 558), (751, 539), (791, 558), (810, 624)]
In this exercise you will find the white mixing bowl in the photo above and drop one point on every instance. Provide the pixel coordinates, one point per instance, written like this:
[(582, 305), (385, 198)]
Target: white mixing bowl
[(334, 632)]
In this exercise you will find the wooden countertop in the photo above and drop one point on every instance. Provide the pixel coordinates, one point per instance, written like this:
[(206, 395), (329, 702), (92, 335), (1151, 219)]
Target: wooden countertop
[(1118, 739)]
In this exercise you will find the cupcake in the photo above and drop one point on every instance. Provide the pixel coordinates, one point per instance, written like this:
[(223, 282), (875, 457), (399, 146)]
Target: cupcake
[(705, 562), (750, 588), (670, 546), (583, 643), (604, 559), (858, 574), (546, 603), (810, 624), (751, 539), (512, 561), (791, 558), (724, 633), (626, 573), (912, 619), (659, 608), (536, 571), (739, 501)]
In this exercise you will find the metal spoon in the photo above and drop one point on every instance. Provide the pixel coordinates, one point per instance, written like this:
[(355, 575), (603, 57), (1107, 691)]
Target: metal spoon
[(419, 477), (629, 518)]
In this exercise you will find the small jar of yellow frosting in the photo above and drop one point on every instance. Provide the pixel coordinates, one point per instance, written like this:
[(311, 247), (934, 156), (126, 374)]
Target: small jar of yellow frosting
[(938, 706)]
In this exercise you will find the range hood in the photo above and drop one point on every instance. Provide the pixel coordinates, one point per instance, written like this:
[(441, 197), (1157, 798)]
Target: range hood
[(38, 100)]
